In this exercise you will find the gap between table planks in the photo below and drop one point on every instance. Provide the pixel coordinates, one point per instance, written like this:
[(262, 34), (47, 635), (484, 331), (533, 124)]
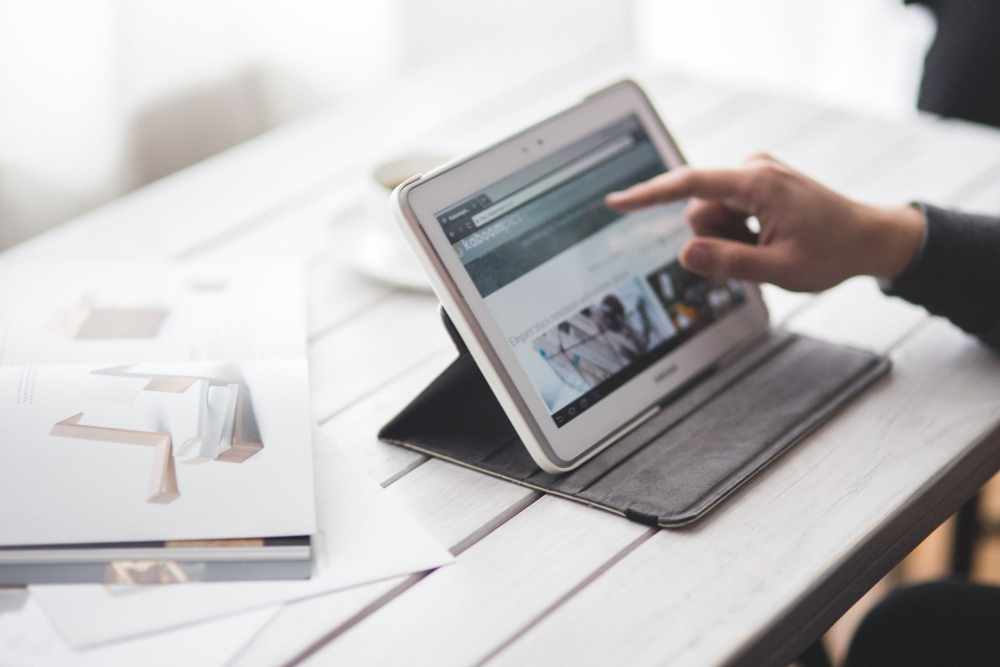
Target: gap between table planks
[(802, 518), (913, 309), (434, 625), (347, 319), (835, 308), (857, 302), (401, 398)]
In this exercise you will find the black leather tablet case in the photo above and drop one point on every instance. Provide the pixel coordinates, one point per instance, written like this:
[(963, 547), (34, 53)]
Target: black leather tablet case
[(679, 464)]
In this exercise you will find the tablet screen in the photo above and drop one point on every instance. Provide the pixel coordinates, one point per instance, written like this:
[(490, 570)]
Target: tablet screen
[(587, 297)]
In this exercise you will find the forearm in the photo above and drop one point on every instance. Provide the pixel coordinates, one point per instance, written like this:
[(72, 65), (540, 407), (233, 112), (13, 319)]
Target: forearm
[(957, 275)]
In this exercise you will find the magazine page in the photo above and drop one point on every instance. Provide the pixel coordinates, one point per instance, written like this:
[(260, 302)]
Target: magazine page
[(78, 312), (155, 451)]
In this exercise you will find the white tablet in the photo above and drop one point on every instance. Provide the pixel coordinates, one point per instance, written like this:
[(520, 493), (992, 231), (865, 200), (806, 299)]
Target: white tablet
[(581, 318)]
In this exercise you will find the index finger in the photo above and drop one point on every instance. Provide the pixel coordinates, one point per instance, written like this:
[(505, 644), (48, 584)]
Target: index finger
[(711, 184)]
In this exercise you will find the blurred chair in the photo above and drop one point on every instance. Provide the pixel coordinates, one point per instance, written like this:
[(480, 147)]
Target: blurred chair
[(191, 125), (962, 69), (164, 136), (815, 656)]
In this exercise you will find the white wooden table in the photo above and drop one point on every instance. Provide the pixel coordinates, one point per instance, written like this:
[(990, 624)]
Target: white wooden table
[(542, 580)]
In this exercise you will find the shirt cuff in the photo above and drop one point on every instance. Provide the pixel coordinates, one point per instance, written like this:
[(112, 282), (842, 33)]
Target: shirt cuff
[(887, 286)]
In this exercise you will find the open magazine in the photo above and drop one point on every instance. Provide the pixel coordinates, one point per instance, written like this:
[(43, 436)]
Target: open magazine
[(156, 424)]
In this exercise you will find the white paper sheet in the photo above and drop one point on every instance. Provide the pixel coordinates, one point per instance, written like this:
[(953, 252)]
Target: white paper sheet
[(91, 455), (81, 312), (27, 639), (363, 536)]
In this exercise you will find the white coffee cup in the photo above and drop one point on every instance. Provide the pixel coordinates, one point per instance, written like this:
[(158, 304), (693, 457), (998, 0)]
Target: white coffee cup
[(389, 174), (375, 245)]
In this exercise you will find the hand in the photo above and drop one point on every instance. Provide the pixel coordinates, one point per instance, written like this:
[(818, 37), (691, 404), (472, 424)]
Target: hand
[(810, 238)]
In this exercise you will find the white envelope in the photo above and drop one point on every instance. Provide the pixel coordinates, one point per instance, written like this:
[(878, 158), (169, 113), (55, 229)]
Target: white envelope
[(27, 639)]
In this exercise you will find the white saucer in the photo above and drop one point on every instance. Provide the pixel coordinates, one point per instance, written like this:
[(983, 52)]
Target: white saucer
[(373, 252)]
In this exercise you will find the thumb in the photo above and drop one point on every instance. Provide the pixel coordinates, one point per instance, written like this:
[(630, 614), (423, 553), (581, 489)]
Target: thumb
[(712, 257)]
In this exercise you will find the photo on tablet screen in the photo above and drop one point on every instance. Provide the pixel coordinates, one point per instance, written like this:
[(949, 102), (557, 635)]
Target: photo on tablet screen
[(587, 297), (606, 343), (602, 338)]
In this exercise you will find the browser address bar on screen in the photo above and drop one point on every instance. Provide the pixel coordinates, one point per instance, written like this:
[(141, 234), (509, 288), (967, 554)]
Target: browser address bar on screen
[(555, 179)]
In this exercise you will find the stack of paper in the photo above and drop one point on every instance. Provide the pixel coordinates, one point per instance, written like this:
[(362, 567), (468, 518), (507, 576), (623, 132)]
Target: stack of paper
[(131, 461), (157, 429)]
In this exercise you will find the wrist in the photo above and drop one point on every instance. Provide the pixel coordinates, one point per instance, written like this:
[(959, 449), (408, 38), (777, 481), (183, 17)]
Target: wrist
[(894, 240)]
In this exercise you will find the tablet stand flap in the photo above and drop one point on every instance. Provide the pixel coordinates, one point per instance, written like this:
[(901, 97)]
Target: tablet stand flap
[(456, 416), (679, 464)]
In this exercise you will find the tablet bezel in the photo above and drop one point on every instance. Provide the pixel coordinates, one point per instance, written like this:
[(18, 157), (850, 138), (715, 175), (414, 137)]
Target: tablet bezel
[(556, 449)]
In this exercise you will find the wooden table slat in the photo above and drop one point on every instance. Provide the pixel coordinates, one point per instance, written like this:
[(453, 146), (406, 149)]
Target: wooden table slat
[(772, 123), (298, 625), (395, 602), (355, 428), (549, 580), (458, 506), (385, 628), (695, 597), (932, 166), (848, 145), (985, 199), (857, 313), (371, 418), (459, 614), (371, 349)]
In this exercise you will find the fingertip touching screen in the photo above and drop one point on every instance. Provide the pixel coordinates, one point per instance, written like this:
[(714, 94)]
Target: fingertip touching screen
[(586, 296)]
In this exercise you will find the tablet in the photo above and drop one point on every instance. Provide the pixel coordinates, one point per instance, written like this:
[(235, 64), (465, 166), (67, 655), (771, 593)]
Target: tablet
[(581, 318)]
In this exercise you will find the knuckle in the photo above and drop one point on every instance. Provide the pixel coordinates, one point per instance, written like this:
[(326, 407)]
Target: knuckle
[(760, 156), (769, 171), (760, 181), (769, 179), (685, 176)]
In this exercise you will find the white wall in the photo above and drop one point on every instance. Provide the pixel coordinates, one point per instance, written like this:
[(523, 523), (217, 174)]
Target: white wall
[(75, 75), (538, 31), (864, 55), (58, 84), (87, 87)]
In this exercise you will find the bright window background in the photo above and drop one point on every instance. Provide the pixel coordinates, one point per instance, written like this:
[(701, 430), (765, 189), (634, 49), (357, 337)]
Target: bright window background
[(864, 55), (100, 96)]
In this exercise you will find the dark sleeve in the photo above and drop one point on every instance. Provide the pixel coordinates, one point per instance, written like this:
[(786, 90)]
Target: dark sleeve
[(958, 272)]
